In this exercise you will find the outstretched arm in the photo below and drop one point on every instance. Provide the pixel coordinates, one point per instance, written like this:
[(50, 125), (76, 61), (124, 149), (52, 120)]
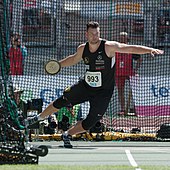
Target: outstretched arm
[(72, 59), (133, 49)]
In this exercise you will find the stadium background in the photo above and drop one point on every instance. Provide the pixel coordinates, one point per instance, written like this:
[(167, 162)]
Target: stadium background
[(54, 29)]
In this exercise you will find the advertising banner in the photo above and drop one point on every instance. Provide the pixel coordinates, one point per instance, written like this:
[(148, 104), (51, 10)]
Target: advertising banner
[(151, 95)]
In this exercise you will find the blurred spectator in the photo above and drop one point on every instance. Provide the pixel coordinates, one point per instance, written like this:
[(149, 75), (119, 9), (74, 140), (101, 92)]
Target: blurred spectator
[(124, 69), (17, 54), (50, 128), (17, 96), (66, 116)]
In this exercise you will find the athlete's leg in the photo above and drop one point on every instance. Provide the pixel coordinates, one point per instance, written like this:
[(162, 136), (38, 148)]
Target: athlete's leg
[(98, 106), (71, 96), (75, 95), (53, 107), (76, 129), (48, 111)]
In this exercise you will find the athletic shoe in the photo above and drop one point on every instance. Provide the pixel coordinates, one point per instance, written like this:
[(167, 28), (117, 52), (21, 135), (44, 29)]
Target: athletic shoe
[(32, 122), (66, 139)]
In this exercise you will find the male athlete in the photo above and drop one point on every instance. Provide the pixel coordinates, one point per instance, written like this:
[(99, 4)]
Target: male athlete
[(98, 83)]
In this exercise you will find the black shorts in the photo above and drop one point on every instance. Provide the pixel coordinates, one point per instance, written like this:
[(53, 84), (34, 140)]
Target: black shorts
[(98, 98)]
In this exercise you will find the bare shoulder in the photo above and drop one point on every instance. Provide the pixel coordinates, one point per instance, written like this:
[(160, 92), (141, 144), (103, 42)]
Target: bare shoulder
[(111, 43), (110, 47), (81, 47), (80, 50)]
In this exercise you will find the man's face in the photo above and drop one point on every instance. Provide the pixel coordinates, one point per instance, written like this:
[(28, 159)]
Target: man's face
[(19, 42), (15, 43), (93, 35)]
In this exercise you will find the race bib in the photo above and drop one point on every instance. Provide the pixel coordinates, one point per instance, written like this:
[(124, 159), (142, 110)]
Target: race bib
[(93, 79)]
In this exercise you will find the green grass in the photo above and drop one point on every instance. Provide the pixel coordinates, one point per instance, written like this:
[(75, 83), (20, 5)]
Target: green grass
[(76, 167)]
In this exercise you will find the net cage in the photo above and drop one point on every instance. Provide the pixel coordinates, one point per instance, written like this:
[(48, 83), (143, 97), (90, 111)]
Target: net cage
[(54, 29), (14, 147)]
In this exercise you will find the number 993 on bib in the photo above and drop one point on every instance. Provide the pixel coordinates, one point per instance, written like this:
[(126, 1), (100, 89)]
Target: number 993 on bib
[(93, 79)]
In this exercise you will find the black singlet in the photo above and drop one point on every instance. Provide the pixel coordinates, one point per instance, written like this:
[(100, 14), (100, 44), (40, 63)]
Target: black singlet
[(98, 62)]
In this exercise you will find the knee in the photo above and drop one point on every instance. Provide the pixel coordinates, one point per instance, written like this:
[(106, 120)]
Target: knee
[(89, 122), (61, 102)]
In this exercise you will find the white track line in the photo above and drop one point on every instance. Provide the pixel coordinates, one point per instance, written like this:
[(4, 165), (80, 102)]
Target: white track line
[(131, 160)]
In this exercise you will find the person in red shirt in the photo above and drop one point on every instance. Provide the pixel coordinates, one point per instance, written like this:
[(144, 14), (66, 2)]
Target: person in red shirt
[(17, 52), (124, 69)]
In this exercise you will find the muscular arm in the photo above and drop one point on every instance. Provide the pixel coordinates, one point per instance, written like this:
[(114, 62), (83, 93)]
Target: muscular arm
[(114, 46), (73, 59)]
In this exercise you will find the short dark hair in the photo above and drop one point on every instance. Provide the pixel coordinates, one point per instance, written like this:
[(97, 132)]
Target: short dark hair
[(92, 24)]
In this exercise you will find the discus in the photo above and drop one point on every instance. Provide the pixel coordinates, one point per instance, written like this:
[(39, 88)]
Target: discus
[(52, 67)]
